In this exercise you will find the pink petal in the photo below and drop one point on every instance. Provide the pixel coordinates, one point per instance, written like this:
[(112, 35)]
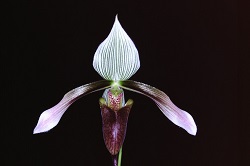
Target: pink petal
[(173, 113), (50, 118)]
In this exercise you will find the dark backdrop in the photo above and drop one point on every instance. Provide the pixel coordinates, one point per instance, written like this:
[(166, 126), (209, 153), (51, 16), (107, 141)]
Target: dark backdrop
[(188, 49)]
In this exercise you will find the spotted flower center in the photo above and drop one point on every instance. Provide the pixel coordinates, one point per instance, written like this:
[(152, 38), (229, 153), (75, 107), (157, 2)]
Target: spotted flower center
[(115, 98)]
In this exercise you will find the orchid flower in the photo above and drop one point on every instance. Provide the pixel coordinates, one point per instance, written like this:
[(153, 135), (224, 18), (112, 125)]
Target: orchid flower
[(116, 60)]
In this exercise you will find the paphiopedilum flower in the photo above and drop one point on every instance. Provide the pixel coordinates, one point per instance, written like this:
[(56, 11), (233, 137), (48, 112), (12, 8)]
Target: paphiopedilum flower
[(116, 60)]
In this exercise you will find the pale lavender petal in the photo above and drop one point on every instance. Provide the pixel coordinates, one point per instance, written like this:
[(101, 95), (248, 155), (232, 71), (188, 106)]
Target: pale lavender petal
[(176, 115), (50, 118)]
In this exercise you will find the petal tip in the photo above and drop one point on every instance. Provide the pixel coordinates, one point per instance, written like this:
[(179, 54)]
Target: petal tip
[(187, 123), (193, 131), (117, 22), (36, 131), (46, 122)]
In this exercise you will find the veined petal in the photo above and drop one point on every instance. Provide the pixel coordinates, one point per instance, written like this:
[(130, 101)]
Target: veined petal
[(50, 118), (176, 115), (116, 58)]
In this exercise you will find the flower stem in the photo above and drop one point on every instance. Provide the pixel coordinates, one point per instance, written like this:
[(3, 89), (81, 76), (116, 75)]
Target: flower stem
[(120, 157)]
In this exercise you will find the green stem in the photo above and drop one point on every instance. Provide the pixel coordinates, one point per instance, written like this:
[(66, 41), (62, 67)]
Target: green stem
[(120, 157)]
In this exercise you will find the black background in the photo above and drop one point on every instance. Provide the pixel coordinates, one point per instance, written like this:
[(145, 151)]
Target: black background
[(188, 49)]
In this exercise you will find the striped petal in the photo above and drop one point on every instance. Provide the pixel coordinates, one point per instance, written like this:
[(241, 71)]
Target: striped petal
[(116, 58), (50, 118), (173, 113)]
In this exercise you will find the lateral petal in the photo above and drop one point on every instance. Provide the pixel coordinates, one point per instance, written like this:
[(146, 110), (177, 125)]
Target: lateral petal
[(179, 117), (50, 118)]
